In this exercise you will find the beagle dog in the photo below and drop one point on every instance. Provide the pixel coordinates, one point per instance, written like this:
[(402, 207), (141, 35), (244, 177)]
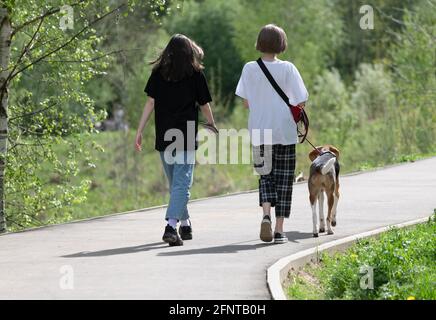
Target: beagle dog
[(324, 177)]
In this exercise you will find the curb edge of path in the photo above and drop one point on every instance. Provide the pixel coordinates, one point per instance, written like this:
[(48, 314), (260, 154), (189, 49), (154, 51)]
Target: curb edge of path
[(204, 198), (278, 272)]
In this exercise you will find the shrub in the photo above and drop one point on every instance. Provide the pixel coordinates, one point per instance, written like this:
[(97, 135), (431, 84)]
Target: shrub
[(415, 80), (329, 109), (372, 93), (402, 261)]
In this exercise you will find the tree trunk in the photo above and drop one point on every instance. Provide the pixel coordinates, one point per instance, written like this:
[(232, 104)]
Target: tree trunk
[(5, 52)]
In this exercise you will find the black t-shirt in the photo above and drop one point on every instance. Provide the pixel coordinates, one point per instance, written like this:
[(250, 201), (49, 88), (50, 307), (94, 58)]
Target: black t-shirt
[(176, 104)]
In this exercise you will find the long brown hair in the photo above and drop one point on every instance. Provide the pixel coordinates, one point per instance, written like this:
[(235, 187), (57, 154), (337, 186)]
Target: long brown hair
[(179, 59)]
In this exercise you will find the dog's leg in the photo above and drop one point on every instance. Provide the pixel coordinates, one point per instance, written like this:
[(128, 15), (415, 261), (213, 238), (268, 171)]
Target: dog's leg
[(312, 199), (321, 212), (335, 203), (330, 201)]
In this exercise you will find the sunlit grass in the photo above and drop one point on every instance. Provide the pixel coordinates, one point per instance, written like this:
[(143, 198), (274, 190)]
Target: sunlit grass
[(402, 261)]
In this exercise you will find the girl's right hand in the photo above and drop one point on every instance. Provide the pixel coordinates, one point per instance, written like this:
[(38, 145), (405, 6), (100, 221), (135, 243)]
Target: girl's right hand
[(138, 142), (212, 127)]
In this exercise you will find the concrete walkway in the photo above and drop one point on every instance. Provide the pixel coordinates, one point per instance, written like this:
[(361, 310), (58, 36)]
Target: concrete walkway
[(122, 257)]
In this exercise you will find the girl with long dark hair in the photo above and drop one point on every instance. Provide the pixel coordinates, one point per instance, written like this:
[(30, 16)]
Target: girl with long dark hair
[(175, 89)]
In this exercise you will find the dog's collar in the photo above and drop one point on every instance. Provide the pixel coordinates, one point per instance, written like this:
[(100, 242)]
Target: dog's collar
[(328, 151)]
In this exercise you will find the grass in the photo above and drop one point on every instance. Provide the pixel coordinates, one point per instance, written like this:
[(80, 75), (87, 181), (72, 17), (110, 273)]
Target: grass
[(402, 158), (402, 261)]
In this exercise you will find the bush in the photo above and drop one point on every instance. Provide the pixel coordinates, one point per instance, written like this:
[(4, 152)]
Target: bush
[(415, 80), (331, 116), (372, 91), (313, 29), (402, 261)]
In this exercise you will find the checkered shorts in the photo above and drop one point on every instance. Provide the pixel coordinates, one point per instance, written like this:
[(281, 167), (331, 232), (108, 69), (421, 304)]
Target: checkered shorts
[(276, 166)]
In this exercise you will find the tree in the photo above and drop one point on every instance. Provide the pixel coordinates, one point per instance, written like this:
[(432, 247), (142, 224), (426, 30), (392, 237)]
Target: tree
[(5, 53), (313, 28), (412, 60), (366, 45), (48, 52), (211, 24), (372, 92)]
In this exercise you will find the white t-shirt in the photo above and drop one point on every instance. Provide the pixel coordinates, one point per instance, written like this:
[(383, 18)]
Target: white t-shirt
[(267, 109)]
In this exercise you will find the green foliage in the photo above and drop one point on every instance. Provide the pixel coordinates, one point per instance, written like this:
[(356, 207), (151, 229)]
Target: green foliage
[(329, 109), (132, 40), (375, 134), (313, 29), (51, 110), (47, 104), (210, 23), (402, 262), (135, 79), (158, 8), (372, 91), (365, 46), (413, 68)]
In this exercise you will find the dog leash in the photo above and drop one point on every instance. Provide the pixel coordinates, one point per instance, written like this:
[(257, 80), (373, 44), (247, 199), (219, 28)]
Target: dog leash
[(319, 152), (214, 130)]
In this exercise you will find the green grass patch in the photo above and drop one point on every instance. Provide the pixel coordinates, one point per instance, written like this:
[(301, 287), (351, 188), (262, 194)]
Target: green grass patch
[(402, 262)]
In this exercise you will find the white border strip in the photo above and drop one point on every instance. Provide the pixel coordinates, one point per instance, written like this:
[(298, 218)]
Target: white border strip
[(278, 272)]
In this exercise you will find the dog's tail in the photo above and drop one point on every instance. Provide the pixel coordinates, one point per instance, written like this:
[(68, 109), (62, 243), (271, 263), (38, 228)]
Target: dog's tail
[(328, 166)]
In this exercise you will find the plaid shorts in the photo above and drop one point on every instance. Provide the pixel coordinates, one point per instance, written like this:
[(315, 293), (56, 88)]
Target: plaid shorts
[(276, 166)]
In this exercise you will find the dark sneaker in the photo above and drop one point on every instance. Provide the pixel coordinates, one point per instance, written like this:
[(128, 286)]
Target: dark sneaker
[(185, 232), (178, 242), (265, 229), (280, 238), (171, 237)]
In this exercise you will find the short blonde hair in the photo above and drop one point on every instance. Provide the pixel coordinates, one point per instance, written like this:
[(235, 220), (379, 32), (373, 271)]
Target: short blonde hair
[(271, 39)]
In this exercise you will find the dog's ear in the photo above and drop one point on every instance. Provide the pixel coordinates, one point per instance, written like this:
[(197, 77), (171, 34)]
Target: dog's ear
[(334, 150), (314, 153)]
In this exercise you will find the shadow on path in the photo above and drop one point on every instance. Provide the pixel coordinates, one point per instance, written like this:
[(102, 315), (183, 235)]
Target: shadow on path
[(116, 251), (229, 248), (293, 236)]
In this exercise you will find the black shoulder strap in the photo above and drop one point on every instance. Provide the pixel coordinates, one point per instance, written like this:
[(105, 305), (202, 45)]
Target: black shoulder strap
[(273, 82)]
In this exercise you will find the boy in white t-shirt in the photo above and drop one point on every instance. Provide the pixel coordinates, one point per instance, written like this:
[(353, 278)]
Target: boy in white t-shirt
[(272, 127)]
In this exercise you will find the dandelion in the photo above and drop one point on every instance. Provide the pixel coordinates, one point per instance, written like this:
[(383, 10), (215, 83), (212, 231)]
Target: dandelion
[(411, 298)]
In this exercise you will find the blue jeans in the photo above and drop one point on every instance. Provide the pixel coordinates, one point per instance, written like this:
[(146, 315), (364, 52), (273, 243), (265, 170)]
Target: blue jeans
[(179, 169)]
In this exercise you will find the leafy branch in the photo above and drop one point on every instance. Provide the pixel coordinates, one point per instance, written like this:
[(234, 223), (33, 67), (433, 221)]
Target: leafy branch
[(73, 38)]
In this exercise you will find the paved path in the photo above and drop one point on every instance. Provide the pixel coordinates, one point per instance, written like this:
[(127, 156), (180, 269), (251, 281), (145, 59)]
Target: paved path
[(121, 257)]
